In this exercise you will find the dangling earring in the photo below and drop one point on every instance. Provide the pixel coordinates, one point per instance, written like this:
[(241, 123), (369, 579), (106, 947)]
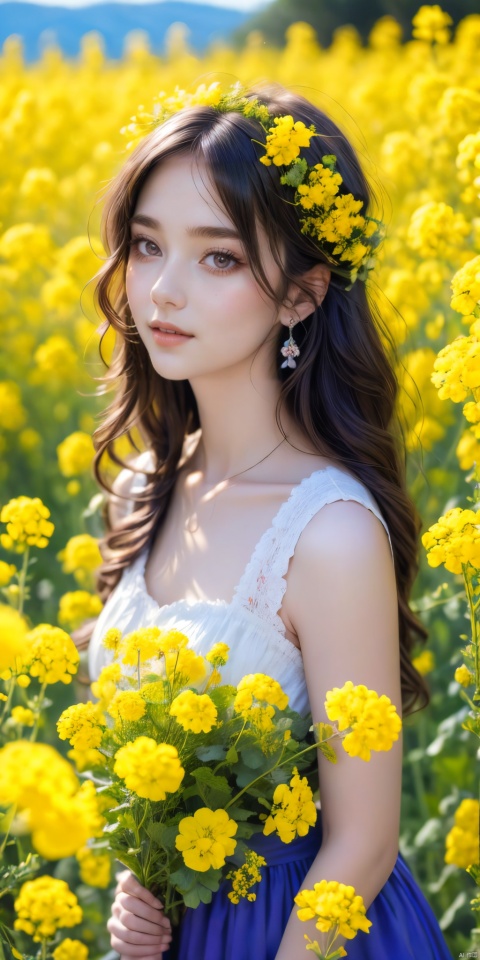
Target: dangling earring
[(290, 348)]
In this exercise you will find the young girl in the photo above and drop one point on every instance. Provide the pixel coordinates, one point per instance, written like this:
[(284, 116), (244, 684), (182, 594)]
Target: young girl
[(268, 508)]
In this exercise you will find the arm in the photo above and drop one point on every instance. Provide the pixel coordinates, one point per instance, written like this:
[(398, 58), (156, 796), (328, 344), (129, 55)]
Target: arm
[(342, 602)]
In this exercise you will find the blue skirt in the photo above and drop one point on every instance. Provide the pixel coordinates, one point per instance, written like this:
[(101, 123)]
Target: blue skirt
[(404, 926)]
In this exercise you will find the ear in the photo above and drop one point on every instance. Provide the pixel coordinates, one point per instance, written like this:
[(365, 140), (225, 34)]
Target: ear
[(296, 305)]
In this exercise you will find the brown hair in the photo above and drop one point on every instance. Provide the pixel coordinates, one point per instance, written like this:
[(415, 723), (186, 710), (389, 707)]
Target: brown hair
[(342, 393)]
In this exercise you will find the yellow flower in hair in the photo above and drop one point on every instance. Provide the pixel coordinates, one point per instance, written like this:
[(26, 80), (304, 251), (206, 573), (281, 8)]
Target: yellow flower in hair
[(285, 140)]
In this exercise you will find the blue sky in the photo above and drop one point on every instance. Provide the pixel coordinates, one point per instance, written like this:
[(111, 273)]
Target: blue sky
[(244, 5)]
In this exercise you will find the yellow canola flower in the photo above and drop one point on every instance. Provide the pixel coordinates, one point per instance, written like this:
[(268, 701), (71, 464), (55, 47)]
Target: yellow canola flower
[(127, 705), (95, 867), (56, 361), (457, 369), (425, 662), (462, 842), (27, 524), (246, 877), (260, 687), (431, 24), (464, 676), (23, 716), (149, 769), (70, 949), (195, 712), (185, 667), (52, 654), (45, 905), (14, 645), (82, 724), (466, 286), (77, 606), (7, 571), (31, 772), (374, 721), (218, 654), (453, 540), (112, 641), (85, 759), (332, 904), (12, 413), (293, 811), (105, 687), (75, 454), (63, 825), (206, 839), (142, 643), (435, 230), (172, 640), (81, 556), (285, 140)]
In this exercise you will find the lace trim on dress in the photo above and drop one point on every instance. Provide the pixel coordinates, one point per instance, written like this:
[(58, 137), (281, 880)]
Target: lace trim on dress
[(263, 584)]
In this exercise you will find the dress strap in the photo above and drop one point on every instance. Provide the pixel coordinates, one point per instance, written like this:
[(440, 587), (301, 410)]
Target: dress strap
[(262, 586)]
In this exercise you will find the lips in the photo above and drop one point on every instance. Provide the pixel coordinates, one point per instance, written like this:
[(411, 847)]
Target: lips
[(169, 328)]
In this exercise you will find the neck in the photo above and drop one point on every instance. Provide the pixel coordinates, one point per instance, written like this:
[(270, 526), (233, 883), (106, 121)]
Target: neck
[(238, 426)]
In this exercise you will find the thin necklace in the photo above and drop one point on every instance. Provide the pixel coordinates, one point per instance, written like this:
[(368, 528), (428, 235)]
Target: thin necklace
[(191, 523)]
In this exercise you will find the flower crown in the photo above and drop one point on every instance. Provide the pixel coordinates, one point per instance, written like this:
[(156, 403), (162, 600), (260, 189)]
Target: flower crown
[(329, 215)]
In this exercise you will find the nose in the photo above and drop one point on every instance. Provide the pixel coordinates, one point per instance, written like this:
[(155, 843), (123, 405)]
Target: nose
[(167, 288)]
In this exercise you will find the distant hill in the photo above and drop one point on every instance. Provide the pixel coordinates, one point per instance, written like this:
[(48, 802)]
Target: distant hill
[(114, 20)]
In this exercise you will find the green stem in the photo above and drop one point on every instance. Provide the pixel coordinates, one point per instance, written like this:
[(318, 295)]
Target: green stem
[(8, 701), (22, 580), (4, 841), (33, 735), (437, 603), (313, 746), (473, 625)]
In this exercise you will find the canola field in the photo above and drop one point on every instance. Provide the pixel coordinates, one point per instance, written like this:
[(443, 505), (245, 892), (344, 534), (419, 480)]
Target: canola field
[(412, 110)]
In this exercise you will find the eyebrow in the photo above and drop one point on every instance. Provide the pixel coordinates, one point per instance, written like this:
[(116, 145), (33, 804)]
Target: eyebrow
[(211, 232)]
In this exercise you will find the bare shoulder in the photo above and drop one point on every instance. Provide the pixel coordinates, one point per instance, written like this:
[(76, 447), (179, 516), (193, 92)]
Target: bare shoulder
[(342, 578)]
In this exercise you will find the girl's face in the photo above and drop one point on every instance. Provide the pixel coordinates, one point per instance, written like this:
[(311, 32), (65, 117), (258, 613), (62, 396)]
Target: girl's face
[(187, 267)]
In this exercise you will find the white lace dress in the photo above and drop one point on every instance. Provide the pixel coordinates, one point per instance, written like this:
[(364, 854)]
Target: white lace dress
[(250, 623)]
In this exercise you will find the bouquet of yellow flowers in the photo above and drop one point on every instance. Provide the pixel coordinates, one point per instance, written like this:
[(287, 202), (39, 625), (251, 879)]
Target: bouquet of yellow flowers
[(191, 769)]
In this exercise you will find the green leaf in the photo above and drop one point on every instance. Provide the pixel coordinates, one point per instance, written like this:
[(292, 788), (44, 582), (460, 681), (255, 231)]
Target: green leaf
[(183, 878), (231, 755), (252, 757), (203, 775), (192, 898), (322, 731), (211, 880), (327, 750), (215, 752), (472, 724), (156, 831), (223, 696), (300, 727), (295, 174)]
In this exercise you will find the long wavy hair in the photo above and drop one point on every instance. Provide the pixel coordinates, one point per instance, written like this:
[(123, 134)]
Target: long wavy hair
[(343, 391)]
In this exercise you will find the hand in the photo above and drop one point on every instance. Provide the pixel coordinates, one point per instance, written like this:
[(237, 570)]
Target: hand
[(138, 927)]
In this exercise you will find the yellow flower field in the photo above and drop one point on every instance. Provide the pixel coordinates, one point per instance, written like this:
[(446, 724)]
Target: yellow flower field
[(412, 110)]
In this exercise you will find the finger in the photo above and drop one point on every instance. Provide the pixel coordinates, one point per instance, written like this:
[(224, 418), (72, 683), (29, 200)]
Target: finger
[(133, 920), (139, 908), (137, 943), (130, 884), (136, 952)]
